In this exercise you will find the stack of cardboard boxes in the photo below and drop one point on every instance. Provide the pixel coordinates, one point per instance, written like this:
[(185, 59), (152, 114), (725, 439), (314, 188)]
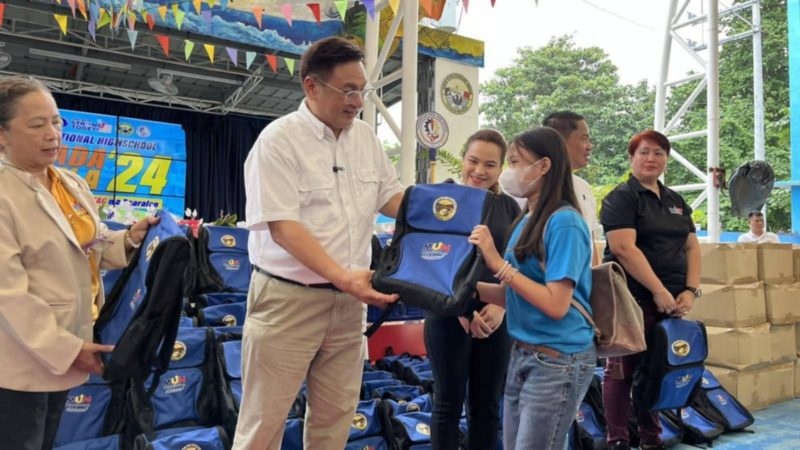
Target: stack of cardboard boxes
[(750, 305)]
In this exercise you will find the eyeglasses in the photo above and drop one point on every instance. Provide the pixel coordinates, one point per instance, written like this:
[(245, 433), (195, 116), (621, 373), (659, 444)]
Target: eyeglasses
[(349, 96)]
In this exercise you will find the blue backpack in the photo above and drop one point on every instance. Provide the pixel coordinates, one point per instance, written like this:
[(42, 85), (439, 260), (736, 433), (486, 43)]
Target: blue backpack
[(229, 356), (423, 403), (697, 429), (141, 316), (227, 315), (368, 421), (195, 438), (183, 395), (411, 431), (92, 410), (110, 277), (716, 403), (220, 298), (103, 443), (369, 443), (671, 432), (430, 262), (398, 393), (673, 368), (293, 435), (222, 259)]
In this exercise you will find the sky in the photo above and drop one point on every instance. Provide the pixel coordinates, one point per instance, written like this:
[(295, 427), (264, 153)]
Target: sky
[(630, 31)]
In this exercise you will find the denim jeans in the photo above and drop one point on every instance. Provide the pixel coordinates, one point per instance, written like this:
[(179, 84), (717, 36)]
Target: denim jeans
[(461, 363), (542, 397)]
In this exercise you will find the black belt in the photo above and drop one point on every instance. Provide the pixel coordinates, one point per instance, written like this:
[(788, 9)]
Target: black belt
[(297, 283)]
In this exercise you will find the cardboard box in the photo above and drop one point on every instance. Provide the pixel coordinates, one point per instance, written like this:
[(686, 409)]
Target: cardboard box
[(739, 348), (775, 263), (750, 387), (797, 378), (731, 306), (783, 303), (728, 263), (781, 382), (782, 343), (796, 255)]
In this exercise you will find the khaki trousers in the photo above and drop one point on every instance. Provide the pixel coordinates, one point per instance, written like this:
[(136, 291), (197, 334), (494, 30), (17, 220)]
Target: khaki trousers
[(294, 333)]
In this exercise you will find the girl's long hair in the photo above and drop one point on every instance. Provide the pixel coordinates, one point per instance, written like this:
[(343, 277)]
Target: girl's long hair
[(556, 188)]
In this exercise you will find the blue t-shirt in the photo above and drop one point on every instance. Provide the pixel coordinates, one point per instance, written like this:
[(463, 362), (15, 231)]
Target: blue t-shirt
[(568, 250)]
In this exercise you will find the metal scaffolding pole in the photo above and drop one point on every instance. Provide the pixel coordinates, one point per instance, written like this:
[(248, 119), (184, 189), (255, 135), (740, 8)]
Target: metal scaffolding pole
[(712, 117), (408, 141)]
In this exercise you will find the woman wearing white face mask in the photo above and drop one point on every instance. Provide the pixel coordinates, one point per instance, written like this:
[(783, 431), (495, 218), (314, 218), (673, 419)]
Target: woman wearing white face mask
[(545, 266)]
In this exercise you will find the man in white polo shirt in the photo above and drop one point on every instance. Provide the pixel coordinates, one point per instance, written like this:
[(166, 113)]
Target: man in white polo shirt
[(575, 131), (314, 181), (758, 230)]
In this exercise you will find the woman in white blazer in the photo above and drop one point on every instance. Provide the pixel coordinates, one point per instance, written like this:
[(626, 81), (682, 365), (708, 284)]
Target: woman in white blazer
[(52, 246)]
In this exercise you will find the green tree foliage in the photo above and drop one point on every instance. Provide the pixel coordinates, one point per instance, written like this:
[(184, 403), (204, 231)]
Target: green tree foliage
[(736, 112), (561, 76)]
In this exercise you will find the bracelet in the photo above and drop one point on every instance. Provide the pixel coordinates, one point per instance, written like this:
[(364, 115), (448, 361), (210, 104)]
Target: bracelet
[(502, 270), (507, 278), (129, 241)]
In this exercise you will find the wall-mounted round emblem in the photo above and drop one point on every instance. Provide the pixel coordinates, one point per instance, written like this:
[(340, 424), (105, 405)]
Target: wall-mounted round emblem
[(681, 348), (432, 131), (444, 208), (457, 94)]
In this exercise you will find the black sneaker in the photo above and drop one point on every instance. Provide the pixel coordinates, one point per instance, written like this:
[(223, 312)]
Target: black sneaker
[(619, 445)]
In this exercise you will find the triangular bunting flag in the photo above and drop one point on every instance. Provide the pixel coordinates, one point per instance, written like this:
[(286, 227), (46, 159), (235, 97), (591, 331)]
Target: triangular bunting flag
[(94, 12), (211, 3), (93, 29), (151, 22), (466, 5), (104, 19), (492, 3), (433, 8), (223, 4), (249, 57), (207, 17), (118, 18), (62, 22), (175, 9), (273, 62), (82, 8), (72, 7), (233, 54), (162, 11), (131, 21), (289, 65), (370, 5), (2, 12), (395, 4), (179, 15), (197, 5), (164, 41), (314, 7), (341, 6), (132, 35), (187, 49), (210, 51), (258, 12), (287, 12)]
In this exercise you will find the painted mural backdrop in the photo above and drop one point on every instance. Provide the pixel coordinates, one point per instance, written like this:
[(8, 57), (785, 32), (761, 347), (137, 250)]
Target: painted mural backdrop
[(124, 159)]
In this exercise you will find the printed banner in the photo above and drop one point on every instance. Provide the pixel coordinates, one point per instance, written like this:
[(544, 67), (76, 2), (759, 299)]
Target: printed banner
[(125, 159)]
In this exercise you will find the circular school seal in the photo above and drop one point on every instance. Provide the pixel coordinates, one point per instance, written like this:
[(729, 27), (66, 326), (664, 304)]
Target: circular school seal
[(360, 422), (191, 447), (228, 240), (680, 348), (178, 351), (424, 429), (444, 208), (432, 131), (457, 94), (229, 320)]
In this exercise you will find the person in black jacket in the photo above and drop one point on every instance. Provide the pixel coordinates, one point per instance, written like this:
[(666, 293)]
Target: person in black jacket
[(474, 349)]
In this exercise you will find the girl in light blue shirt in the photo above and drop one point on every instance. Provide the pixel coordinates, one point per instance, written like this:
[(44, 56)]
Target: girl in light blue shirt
[(547, 264)]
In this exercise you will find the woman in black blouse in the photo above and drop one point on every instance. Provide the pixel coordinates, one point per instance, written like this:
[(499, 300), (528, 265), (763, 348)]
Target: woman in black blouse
[(473, 349), (650, 232)]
